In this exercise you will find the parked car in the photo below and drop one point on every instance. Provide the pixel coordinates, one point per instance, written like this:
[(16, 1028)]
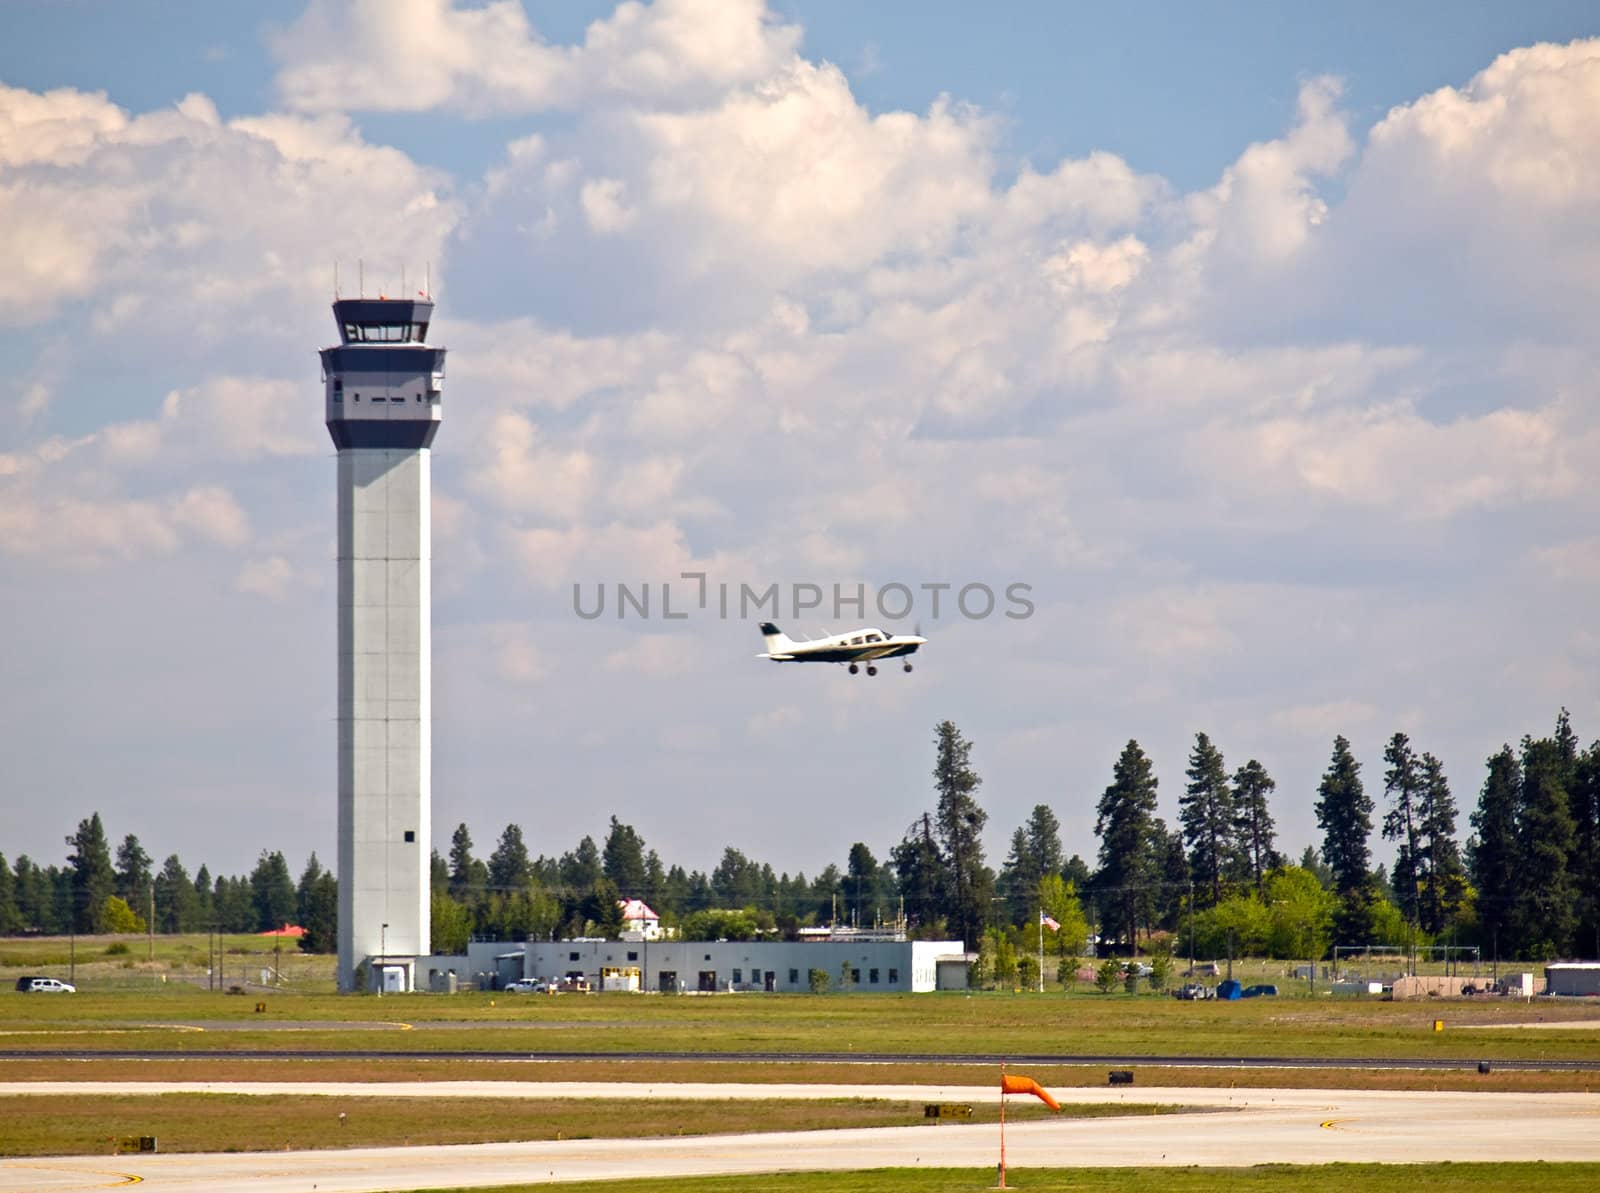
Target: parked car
[(37, 985), (1194, 992), (1204, 969), (1266, 990), (525, 986)]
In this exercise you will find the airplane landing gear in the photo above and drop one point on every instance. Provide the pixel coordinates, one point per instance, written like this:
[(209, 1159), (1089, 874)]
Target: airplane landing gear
[(908, 666), (871, 670), (854, 668)]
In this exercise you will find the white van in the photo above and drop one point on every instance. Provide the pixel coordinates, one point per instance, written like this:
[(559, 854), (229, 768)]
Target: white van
[(45, 986)]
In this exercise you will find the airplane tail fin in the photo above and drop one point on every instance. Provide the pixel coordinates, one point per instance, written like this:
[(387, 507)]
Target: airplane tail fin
[(778, 643)]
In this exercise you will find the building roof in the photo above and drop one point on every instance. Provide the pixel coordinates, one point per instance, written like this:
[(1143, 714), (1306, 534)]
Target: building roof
[(636, 909)]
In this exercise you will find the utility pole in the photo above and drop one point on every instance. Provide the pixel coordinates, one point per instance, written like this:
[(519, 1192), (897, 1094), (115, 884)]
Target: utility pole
[(151, 922), (1191, 926)]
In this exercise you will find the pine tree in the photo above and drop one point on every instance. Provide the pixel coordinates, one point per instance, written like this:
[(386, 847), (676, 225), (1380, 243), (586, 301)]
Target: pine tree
[(468, 875), (920, 873), (1035, 852), (10, 914), (438, 873), (509, 867), (1252, 821), (862, 878), (1044, 839), (320, 915), (1344, 813), (1130, 846), (655, 883), (622, 859), (175, 901), (272, 892), (1311, 862), (92, 879), (34, 894), (1206, 813), (1585, 800), (960, 821), (736, 881), (205, 911), (133, 871), (1446, 890), (580, 868), (1019, 878), (1546, 894), (1402, 784)]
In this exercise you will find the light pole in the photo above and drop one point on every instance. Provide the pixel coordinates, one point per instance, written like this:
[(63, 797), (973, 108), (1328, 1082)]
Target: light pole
[(1191, 927), (383, 955)]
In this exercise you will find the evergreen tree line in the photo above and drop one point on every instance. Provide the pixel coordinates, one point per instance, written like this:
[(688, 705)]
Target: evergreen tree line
[(1525, 883), (92, 894)]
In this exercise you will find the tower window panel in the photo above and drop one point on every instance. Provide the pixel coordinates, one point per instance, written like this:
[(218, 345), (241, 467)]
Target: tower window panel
[(411, 836)]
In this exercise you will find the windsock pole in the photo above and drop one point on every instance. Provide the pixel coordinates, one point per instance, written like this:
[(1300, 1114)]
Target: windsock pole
[(1002, 1184)]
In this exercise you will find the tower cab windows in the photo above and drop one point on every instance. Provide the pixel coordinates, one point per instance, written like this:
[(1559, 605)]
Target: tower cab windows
[(385, 333)]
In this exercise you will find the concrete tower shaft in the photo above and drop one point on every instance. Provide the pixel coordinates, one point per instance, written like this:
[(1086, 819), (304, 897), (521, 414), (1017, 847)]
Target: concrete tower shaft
[(383, 387)]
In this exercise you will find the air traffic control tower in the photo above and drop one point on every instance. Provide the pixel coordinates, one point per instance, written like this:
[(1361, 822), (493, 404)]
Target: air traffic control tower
[(383, 385)]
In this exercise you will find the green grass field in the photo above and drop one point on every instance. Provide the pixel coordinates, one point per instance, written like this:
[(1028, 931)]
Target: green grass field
[(193, 1020), (59, 1125)]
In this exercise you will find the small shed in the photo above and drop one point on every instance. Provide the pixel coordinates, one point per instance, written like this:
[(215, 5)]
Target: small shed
[(1573, 978)]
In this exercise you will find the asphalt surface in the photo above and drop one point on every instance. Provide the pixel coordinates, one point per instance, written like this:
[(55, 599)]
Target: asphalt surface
[(1123, 1060), (1264, 1126)]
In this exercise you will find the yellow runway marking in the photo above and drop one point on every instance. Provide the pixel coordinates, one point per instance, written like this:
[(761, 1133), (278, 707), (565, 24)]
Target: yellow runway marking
[(98, 1031), (123, 1178), (1332, 1124)]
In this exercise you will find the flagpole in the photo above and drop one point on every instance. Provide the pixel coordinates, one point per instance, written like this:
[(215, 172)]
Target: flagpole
[(1002, 1184), (1041, 948)]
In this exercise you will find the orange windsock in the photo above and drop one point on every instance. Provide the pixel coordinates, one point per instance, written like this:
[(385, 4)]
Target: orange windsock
[(1027, 1085)]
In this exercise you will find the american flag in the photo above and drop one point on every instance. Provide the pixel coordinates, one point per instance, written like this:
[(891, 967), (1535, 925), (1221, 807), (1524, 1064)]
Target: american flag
[(1049, 923)]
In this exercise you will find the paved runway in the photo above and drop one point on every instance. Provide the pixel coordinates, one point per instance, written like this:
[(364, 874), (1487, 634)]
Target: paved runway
[(1250, 1127)]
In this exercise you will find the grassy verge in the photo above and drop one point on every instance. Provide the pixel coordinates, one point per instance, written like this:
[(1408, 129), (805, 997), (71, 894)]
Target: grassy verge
[(1271, 1178), (198, 1021), (70, 1125), (223, 1068)]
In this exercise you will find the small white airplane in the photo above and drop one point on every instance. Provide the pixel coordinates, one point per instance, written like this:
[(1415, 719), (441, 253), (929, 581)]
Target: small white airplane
[(855, 647)]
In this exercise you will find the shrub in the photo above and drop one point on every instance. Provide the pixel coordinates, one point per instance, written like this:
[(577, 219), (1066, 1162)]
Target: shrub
[(1105, 978)]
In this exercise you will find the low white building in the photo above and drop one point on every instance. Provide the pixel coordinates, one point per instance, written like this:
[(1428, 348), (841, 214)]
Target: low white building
[(778, 967)]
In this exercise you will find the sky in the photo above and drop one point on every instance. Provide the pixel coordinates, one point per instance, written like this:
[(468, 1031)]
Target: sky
[(1257, 343)]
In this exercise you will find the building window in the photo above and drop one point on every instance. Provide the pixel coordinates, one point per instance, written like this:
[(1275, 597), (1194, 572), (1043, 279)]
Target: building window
[(738, 976), (633, 956), (572, 956), (794, 977), (894, 977), (872, 977), (708, 956), (411, 836)]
